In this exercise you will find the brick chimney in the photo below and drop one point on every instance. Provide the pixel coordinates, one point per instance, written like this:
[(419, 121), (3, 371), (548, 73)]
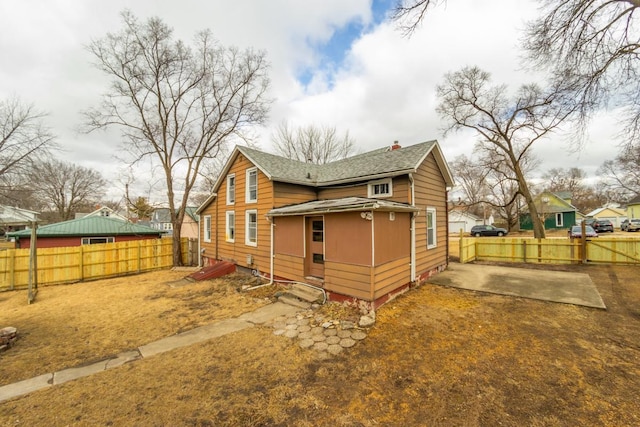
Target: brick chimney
[(395, 146)]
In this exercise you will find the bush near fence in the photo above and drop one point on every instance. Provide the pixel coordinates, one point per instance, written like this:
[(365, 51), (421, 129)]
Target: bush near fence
[(550, 251), (87, 262)]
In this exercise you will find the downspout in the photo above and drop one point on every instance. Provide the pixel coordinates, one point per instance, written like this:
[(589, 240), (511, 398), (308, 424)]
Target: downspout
[(217, 220), (413, 231), (271, 262)]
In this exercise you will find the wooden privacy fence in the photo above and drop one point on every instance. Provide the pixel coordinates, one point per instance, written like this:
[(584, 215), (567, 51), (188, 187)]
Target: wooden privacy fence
[(550, 251), (90, 262)]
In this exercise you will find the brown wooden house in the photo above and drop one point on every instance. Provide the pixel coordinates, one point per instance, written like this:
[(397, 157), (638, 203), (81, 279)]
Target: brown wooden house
[(362, 228)]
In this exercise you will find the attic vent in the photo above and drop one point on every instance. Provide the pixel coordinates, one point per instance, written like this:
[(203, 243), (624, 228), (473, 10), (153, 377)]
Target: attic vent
[(395, 146)]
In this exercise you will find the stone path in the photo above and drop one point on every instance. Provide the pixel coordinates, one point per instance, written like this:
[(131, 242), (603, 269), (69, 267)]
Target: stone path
[(317, 332)]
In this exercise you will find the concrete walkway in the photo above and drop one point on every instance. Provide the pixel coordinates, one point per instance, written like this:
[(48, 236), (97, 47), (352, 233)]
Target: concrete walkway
[(546, 285), (203, 333)]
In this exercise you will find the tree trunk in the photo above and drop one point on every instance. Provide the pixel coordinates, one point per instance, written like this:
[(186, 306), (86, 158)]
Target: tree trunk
[(538, 227)]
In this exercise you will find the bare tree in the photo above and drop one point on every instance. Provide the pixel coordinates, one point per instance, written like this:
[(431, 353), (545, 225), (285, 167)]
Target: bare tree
[(584, 197), (409, 14), (596, 44), (621, 176), (471, 181), (508, 126), (23, 138), (175, 104), (313, 144), (65, 188)]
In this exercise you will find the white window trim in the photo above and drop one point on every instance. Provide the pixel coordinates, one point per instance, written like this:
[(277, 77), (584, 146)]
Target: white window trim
[(246, 227), (231, 202), (227, 229), (87, 240), (247, 198), (559, 222), (371, 185), (435, 228), (207, 228)]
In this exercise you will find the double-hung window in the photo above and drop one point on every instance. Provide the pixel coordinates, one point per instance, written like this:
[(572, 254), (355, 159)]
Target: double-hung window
[(230, 234), (231, 189), (431, 228), (207, 228), (251, 195), (251, 232)]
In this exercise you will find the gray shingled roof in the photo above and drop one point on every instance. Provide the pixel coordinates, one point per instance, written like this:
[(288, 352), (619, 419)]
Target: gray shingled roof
[(87, 227), (380, 162), (342, 205)]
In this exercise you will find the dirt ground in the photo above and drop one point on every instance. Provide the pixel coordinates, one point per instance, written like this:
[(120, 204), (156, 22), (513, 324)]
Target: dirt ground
[(436, 356)]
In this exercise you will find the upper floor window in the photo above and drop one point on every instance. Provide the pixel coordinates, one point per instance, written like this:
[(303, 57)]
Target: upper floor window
[(252, 186), (231, 189), (167, 226), (382, 188), (97, 240)]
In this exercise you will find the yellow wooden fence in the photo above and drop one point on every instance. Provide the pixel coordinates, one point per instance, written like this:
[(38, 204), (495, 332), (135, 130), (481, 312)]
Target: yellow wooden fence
[(87, 262), (550, 251)]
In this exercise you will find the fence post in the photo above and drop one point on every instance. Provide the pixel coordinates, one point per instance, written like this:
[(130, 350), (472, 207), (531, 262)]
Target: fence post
[(524, 250), (81, 262), (460, 246), (11, 262)]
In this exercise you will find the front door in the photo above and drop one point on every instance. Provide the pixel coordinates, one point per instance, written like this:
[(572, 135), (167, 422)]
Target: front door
[(315, 246)]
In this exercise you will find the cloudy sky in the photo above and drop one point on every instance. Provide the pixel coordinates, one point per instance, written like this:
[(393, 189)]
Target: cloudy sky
[(333, 62)]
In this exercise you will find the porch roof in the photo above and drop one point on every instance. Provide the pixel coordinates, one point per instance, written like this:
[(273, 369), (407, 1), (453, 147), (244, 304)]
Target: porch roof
[(347, 204)]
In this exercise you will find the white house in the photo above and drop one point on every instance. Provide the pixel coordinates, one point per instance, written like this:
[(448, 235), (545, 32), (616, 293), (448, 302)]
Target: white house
[(465, 220)]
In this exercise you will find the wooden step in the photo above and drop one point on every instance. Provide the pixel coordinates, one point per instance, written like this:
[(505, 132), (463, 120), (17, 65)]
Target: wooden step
[(294, 301), (306, 293)]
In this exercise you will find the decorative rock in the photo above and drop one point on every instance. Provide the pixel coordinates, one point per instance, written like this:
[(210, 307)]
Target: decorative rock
[(366, 321), (333, 340), (317, 330), (347, 342), (279, 332), (304, 328), (320, 346), (306, 343), (305, 335), (303, 322), (347, 324), (291, 333), (279, 325), (334, 349), (358, 335), (327, 325)]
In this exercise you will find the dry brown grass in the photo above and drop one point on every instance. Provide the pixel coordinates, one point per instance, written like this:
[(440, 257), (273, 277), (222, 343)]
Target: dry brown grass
[(437, 356)]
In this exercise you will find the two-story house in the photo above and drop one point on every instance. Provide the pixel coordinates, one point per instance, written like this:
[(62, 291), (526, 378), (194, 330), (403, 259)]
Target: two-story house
[(363, 228)]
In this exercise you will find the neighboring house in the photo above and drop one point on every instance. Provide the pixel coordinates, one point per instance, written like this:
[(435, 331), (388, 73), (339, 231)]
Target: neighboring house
[(84, 231), (161, 220), (104, 212), (15, 219), (555, 209), (363, 228), (616, 216), (462, 219), (633, 207)]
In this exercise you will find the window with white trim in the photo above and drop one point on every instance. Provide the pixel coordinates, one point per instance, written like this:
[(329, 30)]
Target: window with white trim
[(251, 232), (431, 228), (207, 229), (559, 220), (230, 227), (97, 240), (381, 188), (251, 195), (167, 226), (231, 189)]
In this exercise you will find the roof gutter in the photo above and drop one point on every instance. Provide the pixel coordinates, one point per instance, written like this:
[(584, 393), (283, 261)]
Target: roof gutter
[(362, 208)]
